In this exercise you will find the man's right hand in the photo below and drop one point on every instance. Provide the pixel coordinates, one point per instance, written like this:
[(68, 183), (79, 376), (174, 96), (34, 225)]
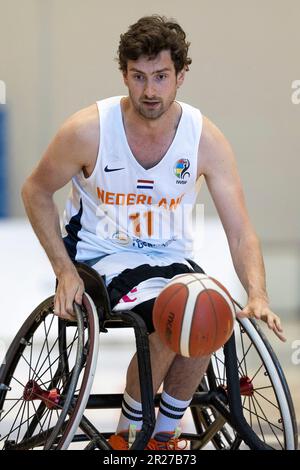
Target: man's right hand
[(70, 288)]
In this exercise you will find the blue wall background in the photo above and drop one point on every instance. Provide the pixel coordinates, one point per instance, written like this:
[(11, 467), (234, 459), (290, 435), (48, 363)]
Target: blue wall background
[(3, 163)]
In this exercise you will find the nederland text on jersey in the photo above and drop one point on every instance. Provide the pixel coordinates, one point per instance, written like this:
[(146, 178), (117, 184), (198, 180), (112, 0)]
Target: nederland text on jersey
[(129, 199)]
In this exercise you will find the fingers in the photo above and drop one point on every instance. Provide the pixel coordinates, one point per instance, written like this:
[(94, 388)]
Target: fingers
[(56, 305), (279, 335), (66, 294), (248, 312), (63, 308), (245, 313), (79, 294), (275, 325), (278, 324)]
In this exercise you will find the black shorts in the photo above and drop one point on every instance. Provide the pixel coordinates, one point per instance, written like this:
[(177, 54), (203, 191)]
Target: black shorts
[(129, 278)]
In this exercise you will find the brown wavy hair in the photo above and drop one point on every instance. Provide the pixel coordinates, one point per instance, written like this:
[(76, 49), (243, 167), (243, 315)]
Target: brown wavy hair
[(149, 36)]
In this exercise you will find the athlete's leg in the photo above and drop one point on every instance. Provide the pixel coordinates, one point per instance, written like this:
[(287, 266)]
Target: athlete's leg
[(180, 383), (184, 376), (181, 375), (161, 359)]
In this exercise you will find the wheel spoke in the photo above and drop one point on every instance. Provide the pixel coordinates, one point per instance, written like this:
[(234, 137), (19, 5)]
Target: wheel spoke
[(263, 388), (249, 404), (53, 346), (51, 364), (30, 367), (24, 408), (258, 421), (265, 419), (266, 399), (48, 352), (219, 374), (258, 370), (42, 349), (271, 425), (17, 427), (57, 359), (18, 400), (30, 359), (242, 343), (48, 416), (43, 414), (244, 372)]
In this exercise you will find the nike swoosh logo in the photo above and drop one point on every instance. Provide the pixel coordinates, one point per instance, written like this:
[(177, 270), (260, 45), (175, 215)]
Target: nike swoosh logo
[(107, 170)]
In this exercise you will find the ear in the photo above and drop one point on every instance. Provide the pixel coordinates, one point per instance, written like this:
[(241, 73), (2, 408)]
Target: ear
[(180, 78), (125, 79)]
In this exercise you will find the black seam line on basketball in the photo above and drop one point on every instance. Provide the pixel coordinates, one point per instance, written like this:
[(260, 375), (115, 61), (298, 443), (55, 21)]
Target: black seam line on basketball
[(211, 302), (160, 316), (132, 418), (129, 408), (228, 295), (207, 293), (172, 408), (167, 303), (170, 415), (184, 286)]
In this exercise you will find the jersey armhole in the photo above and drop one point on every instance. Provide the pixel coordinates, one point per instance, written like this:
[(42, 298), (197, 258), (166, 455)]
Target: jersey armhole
[(82, 175)]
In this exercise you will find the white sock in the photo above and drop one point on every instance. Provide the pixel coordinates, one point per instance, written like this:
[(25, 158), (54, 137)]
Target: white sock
[(170, 413), (131, 414)]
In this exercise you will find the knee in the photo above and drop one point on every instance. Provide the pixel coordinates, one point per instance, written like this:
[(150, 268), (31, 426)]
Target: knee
[(157, 346)]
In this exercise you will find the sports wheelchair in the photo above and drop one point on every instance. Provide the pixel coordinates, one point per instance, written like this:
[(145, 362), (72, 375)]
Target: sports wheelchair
[(243, 401)]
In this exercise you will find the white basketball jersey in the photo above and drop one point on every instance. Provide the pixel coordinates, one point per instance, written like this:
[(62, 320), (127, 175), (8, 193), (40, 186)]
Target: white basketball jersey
[(124, 208)]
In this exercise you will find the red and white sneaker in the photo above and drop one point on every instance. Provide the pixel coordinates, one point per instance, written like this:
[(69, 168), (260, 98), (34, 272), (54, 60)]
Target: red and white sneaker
[(124, 439), (166, 441), (119, 441)]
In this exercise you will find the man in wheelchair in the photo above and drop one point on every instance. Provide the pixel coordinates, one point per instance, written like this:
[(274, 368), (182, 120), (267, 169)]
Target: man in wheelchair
[(134, 162)]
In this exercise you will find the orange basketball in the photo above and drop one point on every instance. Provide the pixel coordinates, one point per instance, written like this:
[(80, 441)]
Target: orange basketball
[(194, 315)]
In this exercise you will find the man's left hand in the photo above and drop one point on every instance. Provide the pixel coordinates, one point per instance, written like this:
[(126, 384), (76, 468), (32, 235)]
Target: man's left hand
[(260, 310)]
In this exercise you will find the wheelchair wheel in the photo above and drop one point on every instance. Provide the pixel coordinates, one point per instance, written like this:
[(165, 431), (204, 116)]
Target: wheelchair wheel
[(266, 400), (49, 361)]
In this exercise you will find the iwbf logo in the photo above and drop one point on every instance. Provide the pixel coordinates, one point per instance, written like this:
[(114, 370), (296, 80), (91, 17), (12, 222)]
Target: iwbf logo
[(181, 170), (2, 92)]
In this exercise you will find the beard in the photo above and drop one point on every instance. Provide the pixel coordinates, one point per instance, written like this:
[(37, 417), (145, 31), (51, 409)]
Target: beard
[(151, 109)]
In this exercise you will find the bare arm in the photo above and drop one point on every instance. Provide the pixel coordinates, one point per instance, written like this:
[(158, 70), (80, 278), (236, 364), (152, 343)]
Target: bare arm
[(217, 164), (73, 148)]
